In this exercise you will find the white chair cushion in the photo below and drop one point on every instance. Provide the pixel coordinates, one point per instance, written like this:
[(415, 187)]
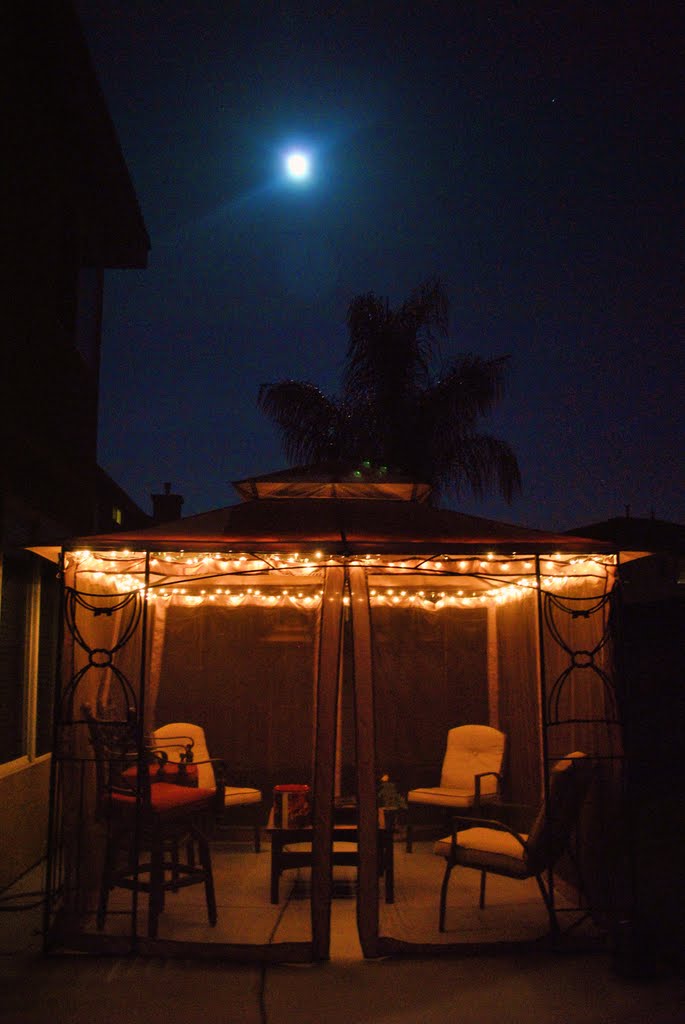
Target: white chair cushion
[(487, 848), (472, 749), (172, 736), (175, 733), (439, 796), (340, 847), (235, 796)]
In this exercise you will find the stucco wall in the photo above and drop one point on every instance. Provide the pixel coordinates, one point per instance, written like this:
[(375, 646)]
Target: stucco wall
[(24, 800)]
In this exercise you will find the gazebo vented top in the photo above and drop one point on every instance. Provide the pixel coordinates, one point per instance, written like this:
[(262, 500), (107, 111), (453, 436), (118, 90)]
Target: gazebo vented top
[(347, 514)]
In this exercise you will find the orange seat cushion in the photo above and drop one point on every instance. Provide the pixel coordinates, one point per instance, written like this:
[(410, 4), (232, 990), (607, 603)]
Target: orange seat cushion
[(164, 796), (180, 774)]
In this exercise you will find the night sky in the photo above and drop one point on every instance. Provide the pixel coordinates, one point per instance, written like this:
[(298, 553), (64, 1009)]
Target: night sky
[(531, 155)]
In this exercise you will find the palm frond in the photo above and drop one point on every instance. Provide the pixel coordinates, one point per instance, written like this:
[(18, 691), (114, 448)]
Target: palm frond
[(370, 346), (390, 351), (426, 311), (469, 389), (397, 342), (477, 462), (307, 420)]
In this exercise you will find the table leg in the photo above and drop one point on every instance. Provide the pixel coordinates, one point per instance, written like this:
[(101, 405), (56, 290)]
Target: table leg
[(389, 858), (275, 866)]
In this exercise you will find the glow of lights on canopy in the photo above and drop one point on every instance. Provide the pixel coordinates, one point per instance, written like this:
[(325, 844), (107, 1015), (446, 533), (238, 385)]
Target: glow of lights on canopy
[(236, 580)]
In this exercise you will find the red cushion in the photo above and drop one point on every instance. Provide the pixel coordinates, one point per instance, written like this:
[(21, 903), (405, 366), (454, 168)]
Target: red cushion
[(182, 774), (164, 796)]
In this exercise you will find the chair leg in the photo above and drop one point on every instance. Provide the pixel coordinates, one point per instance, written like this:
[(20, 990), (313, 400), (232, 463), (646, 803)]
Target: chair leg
[(156, 886), (108, 869), (206, 862), (549, 904), (410, 836), (275, 868), (175, 861), (257, 838), (388, 866), (443, 895), (483, 879)]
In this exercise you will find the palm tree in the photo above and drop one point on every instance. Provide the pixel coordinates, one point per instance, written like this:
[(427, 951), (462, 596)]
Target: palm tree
[(396, 408)]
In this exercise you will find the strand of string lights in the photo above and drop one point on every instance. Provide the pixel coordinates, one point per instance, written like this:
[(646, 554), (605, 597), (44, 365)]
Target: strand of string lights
[(228, 578)]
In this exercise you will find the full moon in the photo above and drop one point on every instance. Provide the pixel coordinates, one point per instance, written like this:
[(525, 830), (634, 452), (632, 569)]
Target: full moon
[(297, 165)]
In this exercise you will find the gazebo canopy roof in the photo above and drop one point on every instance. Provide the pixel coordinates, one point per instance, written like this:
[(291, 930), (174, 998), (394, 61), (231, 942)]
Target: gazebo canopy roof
[(332, 480), (344, 512)]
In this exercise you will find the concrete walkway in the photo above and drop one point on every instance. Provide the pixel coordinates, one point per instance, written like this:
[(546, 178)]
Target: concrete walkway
[(541, 988)]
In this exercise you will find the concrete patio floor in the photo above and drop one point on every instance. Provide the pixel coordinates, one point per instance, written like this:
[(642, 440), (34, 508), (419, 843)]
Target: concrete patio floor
[(514, 912), (542, 987)]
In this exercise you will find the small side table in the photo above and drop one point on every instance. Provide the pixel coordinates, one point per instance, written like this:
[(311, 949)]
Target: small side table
[(292, 848)]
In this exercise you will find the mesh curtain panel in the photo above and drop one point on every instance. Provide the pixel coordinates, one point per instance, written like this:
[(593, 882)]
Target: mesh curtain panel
[(581, 714), (430, 673), (246, 675), (579, 673), (519, 699), (245, 670), (101, 667)]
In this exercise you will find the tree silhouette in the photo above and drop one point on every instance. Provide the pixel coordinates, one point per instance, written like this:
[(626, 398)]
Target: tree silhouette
[(401, 407)]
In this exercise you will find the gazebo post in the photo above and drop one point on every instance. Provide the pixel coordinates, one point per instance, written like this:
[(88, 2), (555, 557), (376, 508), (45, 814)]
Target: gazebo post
[(140, 739), (324, 760), (542, 700), (52, 869), (367, 896)]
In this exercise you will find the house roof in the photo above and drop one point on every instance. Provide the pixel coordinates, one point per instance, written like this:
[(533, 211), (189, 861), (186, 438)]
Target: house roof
[(646, 534), (60, 121)]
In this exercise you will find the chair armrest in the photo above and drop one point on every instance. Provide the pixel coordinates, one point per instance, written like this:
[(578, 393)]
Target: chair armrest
[(388, 817), (484, 775), (220, 773), (159, 755), (219, 767), (521, 813), (461, 822)]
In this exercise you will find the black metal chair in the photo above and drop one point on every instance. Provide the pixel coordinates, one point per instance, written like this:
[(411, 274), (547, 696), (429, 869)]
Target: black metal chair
[(494, 847), (175, 735), (152, 810)]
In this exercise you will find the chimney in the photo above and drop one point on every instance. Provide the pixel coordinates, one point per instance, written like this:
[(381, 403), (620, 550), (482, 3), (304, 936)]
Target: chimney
[(166, 507)]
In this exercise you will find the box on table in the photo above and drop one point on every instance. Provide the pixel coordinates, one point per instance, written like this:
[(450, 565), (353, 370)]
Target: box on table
[(292, 806)]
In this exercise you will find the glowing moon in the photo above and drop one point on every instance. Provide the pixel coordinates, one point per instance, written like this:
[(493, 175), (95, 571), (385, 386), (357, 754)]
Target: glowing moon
[(297, 165)]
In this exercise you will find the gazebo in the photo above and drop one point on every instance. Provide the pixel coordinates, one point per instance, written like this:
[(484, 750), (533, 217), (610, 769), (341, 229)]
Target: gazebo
[(328, 628)]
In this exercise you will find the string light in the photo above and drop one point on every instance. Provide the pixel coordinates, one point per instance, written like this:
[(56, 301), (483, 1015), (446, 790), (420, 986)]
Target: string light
[(196, 579)]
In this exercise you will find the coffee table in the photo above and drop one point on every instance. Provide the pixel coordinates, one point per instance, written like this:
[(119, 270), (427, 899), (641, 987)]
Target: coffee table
[(292, 848)]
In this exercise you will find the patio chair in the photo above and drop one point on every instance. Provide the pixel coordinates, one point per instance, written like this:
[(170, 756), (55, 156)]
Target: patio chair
[(148, 815), (471, 773), (492, 846), (187, 739)]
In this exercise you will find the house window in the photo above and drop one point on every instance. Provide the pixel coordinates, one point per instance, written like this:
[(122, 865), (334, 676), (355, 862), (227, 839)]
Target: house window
[(117, 515), (29, 602)]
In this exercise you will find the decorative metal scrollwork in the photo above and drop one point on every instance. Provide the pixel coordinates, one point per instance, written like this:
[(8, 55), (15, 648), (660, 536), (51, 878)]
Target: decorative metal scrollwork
[(130, 608), (581, 659)]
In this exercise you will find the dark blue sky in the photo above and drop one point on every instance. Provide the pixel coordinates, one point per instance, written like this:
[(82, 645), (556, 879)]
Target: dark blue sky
[(529, 154)]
